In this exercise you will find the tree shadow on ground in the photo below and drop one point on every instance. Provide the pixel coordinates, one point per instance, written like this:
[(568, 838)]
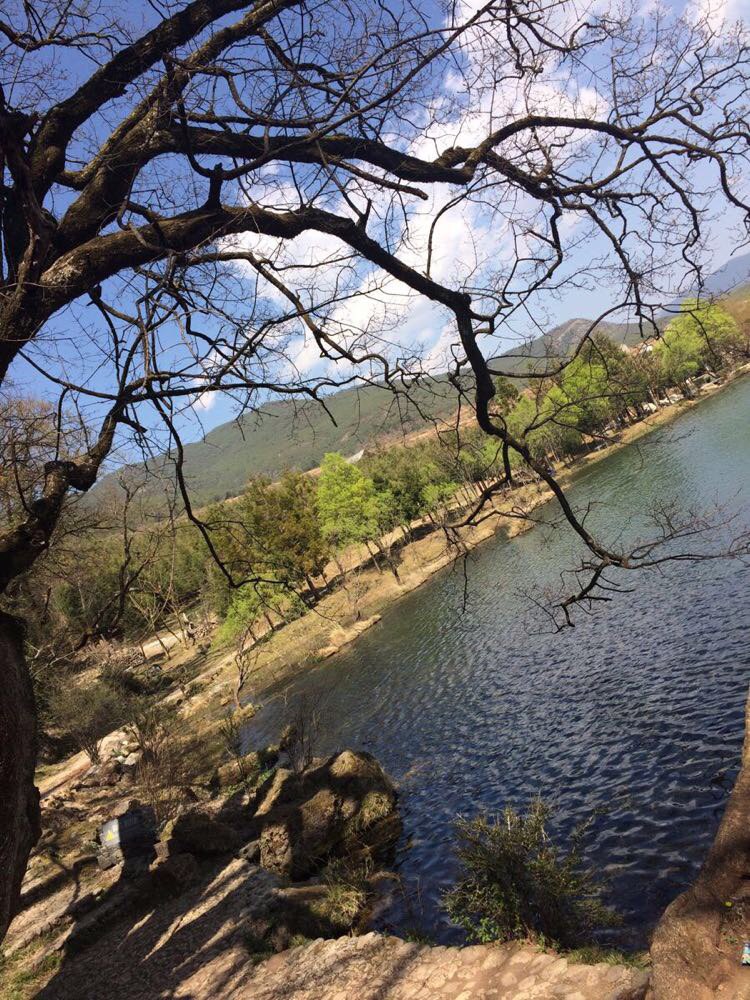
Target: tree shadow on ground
[(189, 945)]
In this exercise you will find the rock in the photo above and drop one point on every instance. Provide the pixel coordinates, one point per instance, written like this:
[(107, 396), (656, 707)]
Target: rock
[(200, 833), (175, 872), (247, 768), (110, 773), (282, 782), (93, 778), (250, 851), (342, 806), (131, 762), (128, 837), (275, 913)]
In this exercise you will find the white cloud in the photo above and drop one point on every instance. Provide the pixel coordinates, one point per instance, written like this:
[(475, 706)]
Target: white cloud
[(204, 401)]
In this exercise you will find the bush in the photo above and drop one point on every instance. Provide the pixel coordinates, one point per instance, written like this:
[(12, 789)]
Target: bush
[(516, 883), (165, 782), (170, 764), (151, 726), (86, 713)]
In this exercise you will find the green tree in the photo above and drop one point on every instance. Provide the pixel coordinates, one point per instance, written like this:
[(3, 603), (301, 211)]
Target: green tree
[(351, 509), (506, 395), (255, 603), (401, 474), (704, 335), (347, 502), (282, 531)]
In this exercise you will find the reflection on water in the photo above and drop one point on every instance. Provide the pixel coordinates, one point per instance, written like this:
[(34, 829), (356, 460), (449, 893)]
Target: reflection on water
[(636, 715)]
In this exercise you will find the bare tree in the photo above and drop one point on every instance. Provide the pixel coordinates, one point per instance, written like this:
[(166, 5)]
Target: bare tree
[(246, 661), (222, 187)]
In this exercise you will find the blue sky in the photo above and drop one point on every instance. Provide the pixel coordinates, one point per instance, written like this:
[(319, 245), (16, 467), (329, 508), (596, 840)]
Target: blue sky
[(470, 239)]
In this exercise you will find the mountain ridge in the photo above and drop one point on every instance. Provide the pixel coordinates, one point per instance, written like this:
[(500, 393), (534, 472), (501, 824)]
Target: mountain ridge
[(286, 434)]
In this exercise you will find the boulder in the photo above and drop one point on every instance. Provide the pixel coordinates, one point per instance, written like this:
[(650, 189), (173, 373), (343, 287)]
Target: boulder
[(275, 913), (250, 851), (110, 773), (131, 762), (342, 806), (198, 832), (102, 775), (174, 873), (128, 837)]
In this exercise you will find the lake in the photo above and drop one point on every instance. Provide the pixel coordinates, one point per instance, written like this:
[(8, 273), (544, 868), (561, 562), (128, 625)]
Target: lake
[(634, 718)]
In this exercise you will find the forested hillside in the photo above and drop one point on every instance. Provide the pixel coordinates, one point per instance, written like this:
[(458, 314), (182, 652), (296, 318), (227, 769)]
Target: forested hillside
[(290, 434)]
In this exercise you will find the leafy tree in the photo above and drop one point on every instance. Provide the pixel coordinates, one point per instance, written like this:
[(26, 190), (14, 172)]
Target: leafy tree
[(347, 502), (352, 510), (401, 473), (254, 602), (586, 393), (436, 497), (506, 395), (704, 335), (282, 532), (680, 354), (87, 712)]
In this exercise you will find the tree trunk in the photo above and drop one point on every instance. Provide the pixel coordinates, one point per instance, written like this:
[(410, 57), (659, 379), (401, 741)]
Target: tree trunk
[(378, 567), (19, 797)]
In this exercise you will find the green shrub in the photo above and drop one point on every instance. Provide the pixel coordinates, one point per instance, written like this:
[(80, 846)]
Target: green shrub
[(515, 883)]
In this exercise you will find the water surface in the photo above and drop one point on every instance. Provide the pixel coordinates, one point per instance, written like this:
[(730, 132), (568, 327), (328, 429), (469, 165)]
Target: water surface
[(635, 717)]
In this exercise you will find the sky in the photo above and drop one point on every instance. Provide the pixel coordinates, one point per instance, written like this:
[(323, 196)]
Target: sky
[(470, 238)]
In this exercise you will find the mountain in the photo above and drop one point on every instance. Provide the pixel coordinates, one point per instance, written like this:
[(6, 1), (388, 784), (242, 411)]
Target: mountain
[(561, 340), (731, 276), (287, 434)]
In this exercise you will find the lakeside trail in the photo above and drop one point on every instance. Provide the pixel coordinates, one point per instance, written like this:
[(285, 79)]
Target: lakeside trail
[(186, 962)]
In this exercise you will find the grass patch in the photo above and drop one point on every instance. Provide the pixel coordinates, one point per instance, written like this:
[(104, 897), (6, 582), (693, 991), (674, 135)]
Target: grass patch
[(347, 890), (24, 983), (593, 954)]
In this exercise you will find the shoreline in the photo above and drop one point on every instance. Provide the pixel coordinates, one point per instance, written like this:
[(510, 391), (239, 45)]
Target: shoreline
[(330, 627)]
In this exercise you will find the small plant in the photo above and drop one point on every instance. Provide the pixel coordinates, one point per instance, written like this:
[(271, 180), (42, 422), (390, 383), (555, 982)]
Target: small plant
[(169, 764), (347, 888), (593, 954), (151, 726), (86, 713), (165, 781), (415, 935), (301, 734), (231, 739), (516, 883)]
